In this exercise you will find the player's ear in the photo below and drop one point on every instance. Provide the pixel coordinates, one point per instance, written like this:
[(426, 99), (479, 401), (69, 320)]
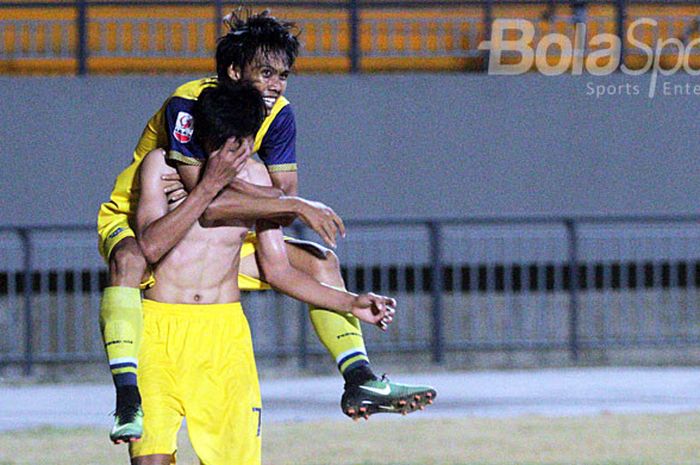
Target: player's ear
[(234, 73)]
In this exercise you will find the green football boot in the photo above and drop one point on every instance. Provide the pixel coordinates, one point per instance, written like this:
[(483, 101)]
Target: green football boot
[(128, 425), (383, 396)]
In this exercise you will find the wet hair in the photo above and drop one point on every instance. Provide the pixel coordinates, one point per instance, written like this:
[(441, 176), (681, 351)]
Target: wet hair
[(225, 110), (257, 33)]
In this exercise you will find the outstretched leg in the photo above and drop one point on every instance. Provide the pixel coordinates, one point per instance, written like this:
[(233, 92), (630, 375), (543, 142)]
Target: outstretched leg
[(121, 323), (341, 334), (365, 394)]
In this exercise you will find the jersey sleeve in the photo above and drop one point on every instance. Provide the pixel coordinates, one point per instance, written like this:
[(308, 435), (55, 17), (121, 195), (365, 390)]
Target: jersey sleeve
[(179, 124), (278, 147)]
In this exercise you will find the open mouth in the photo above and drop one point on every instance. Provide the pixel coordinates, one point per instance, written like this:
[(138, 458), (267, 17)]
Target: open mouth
[(269, 101)]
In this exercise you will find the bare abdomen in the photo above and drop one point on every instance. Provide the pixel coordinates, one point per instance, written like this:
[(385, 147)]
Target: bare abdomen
[(201, 269)]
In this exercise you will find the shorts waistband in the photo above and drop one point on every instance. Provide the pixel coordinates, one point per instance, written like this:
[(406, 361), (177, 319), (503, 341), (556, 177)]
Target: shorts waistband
[(191, 310)]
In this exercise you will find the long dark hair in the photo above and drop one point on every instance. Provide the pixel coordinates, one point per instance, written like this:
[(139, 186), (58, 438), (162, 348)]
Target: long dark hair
[(257, 33)]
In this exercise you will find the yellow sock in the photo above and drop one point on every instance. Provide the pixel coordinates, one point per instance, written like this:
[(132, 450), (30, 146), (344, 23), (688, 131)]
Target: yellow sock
[(341, 334), (121, 323)]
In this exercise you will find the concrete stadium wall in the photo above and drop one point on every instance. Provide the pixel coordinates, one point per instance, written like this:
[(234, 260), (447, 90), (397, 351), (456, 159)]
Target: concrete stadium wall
[(384, 145)]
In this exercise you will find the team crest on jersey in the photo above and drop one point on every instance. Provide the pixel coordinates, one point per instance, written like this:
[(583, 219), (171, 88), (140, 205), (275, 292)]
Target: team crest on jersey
[(115, 233), (184, 127)]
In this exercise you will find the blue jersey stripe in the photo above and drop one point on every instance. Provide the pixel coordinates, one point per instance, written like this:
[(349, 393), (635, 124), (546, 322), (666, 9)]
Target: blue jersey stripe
[(349, 356), (122, 365)]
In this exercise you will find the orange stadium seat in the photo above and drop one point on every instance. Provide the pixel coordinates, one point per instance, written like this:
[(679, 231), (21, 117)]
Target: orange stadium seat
[(181, 39)]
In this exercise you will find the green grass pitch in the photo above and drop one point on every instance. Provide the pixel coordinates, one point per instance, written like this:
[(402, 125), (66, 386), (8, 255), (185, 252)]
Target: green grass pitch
[(418, 439)]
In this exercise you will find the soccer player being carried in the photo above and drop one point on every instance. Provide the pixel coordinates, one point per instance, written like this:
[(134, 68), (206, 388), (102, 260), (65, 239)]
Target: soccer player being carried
[(196, 357), (259, 49)]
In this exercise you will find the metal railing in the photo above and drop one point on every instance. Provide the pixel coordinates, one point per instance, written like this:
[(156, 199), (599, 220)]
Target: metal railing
[(485, 284), (351, 35)]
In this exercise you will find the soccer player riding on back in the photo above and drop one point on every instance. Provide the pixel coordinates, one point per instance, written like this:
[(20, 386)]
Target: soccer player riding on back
[(260, 49), (197, 357)]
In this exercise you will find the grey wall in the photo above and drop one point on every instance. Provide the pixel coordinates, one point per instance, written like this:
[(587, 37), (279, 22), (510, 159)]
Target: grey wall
[(382, 145)]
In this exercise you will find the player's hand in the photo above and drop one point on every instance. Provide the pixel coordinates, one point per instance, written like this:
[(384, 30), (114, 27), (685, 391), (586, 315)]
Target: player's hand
[(374, 309), (224, 164), (322, 219), (173, 187), (172, 206)]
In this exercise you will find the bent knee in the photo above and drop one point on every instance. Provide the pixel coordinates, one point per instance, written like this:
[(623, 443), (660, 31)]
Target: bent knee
[(327, 267), (330, 262), (127, 263)]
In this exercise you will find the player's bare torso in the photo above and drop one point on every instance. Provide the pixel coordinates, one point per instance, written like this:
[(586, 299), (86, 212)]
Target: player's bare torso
[(202, 268)]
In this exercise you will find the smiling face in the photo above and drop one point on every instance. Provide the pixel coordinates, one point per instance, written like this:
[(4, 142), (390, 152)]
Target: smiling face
[(268, 72)]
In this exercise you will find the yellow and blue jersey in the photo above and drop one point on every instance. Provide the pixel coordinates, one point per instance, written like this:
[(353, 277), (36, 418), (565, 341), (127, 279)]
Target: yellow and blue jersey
[(275, 142), (172, 128)]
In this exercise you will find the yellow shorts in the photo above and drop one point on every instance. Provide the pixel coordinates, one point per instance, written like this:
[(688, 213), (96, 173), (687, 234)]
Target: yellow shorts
[(196, 361), (113, 226)]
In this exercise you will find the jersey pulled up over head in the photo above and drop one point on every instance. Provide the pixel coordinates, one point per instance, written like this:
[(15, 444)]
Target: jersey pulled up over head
[(274, 142), (173, 129)]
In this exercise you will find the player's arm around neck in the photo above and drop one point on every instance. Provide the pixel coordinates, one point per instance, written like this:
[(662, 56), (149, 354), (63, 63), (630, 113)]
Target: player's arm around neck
[(286, 181), (159, 230), (284, 184), (240, 200), (234, 205)]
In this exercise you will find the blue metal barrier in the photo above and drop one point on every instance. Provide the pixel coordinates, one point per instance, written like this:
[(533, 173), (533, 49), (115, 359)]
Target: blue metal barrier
[(567, 283)]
